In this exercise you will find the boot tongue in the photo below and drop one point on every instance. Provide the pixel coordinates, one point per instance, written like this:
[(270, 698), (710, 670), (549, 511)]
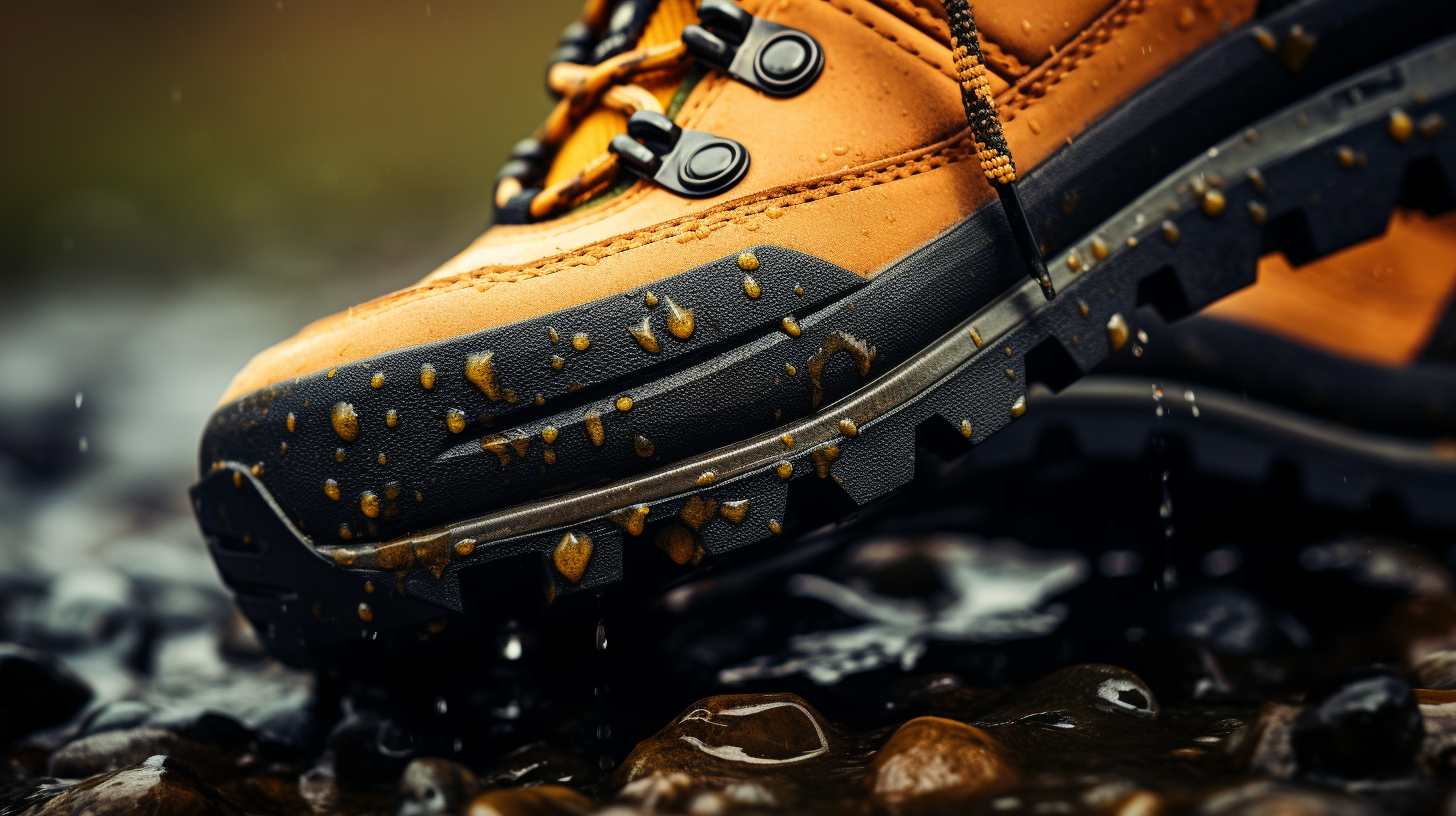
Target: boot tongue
[(631, 24)]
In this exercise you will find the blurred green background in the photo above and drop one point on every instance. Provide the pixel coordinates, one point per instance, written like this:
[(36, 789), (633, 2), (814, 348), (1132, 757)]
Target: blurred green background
[(262, 141)]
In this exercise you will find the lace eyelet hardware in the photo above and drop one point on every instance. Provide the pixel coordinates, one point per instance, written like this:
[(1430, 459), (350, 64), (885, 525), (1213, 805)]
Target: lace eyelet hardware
[(776, 59)]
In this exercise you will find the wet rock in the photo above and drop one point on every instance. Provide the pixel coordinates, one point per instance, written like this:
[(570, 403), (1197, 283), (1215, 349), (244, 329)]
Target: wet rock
[(1436, 671), (934, 761), (1079, 696), (36, 691), (737, 735), (537, 763), (1364, 724), (369, 750), (431, 785), (545, 800), (1265, 748), (159, 784), (113, 750), (1269, 798)]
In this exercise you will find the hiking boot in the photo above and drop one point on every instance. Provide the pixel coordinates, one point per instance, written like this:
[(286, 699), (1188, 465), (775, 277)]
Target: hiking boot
[(749, 259)]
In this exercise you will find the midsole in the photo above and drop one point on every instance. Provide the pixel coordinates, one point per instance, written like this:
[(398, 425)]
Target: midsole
[(1426, 74)]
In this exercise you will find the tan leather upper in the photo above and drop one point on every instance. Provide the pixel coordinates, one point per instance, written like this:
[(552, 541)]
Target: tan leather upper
[(865, 166), (1376, 302)]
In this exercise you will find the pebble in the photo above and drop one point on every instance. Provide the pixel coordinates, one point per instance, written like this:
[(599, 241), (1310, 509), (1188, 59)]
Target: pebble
[(544, 800), (1363, 724), (934, 761), (433, 786), (158, 785), (740, 735), (36, 691)]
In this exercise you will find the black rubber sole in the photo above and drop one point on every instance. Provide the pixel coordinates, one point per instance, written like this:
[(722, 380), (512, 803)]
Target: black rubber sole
[(868, 351)]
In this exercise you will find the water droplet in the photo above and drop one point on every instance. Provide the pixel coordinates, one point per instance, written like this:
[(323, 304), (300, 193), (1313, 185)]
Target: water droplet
[(643, 446), (631, 519), (368, 585), (512, 648), (1170, 232), (650, 300), (1265, 39), (480, 370), (823, 458), (391, 418), (790, 326), (624, 404), (1213, 203), (1074, 261), (1099, 247), (601, 636), (557, 363), (237, 478), (1142, 336), (1117, 331), (548, 434), (1256, 179), (707, 477), (377, 380), (291, 422), (734, 511), (571, 555), (1345, 156), (369, 504), (679, 320), (644, 337), (751, 287), (976, 337), (594, 429), (464, 547), (1018, 407), (680, 544), (774, 526), (331, 373), (339, 454), (784, 468), (79, 398), (790, 370), (331, 489), (380, 459), (748, 262), (345, 421), (862, 354), (455, 420), (1431, 125), (580, 341)]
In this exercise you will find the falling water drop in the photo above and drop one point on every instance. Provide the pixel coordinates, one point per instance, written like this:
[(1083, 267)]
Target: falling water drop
[(601, 636), (512, 649), (79, 398)]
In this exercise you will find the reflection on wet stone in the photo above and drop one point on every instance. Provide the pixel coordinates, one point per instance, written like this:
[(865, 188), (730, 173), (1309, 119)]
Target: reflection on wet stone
[(741, 735)]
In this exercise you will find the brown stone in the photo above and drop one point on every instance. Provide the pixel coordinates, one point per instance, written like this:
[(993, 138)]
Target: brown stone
[(737, 735), (159, 785), (544, 800), (935, 761)]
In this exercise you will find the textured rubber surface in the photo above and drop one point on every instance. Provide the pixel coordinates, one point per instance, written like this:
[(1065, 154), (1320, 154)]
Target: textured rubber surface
[(310, 589), (1228, 436)]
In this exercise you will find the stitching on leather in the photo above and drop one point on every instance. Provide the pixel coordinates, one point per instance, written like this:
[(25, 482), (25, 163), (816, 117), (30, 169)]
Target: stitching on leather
[(944, 69), (950, 151), (1035, 86)]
